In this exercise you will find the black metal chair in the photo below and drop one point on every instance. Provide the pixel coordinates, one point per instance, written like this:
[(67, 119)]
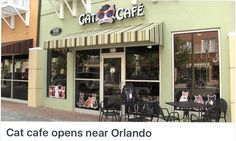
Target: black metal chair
[(212, 114), (142, 112), (223, 107), (134, 109), (159, 113), (109, 109)]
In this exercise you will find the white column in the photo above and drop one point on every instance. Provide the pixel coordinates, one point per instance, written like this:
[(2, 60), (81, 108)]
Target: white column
[(232, 74), (36, 77), (61, 16), (13, 22), (74, 8)]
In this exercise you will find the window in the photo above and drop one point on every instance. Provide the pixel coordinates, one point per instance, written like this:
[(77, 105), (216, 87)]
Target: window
[(87, 79), (208, 45), (57, 74), (6, 76), (212, 45), (14, 77), (204, 44), (142, 70), (142, 63), (196, 68)]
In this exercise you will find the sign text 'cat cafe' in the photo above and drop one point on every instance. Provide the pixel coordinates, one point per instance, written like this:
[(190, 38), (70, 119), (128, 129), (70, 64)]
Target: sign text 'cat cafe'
[(108, 13)]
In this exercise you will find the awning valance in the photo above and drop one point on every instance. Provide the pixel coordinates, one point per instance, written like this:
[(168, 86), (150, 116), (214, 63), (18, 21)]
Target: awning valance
[(151, 33)]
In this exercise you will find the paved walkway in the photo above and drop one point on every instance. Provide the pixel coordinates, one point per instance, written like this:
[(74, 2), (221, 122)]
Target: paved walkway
[(11, 111)]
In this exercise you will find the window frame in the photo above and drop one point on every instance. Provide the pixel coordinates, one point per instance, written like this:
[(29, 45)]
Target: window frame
[(173, 58), (143, 80), (48, 75), (13, 80), (77, 80)]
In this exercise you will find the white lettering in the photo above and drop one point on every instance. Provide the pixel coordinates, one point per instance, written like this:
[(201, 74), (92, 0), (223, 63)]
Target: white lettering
[(140, 10), (121, 13), (118, 14), (134, 11), (93, 18), (81, 19), (87, 18), (127, 13)]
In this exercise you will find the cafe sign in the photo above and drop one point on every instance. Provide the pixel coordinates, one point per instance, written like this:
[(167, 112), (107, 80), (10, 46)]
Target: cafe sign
[(109, 13)]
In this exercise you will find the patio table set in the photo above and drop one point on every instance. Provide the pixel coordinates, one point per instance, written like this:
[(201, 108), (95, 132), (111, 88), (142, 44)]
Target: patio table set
[(143, 111), (129, 107)]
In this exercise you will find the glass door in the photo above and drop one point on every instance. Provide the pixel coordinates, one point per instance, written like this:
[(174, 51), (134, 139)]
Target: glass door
[(112, 75)]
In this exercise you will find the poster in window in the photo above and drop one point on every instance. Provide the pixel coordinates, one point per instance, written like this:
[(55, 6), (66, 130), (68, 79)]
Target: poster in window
[(57, 91)]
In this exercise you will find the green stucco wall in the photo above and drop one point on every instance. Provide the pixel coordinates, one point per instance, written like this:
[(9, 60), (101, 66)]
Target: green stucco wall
[(176, 16)]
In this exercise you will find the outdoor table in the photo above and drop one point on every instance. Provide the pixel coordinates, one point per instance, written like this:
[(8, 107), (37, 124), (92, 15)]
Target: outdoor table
[(186, 106)]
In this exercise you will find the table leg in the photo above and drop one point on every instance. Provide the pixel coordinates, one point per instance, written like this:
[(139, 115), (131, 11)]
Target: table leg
[(186, 115)]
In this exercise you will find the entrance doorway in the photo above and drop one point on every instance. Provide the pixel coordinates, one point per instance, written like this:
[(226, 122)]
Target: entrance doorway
[(112, 75)]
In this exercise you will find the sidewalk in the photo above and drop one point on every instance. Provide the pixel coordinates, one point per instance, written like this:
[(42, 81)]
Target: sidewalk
[(11, 111)]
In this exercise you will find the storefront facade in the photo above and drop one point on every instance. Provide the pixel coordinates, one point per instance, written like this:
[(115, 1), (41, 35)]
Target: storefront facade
[(162, 48), (19, 34)]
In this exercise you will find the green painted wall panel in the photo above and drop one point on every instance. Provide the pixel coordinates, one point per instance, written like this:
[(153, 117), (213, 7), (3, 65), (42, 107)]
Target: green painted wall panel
[(176, 15)]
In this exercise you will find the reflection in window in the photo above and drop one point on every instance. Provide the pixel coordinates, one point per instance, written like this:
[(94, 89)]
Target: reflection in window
[(6, 68), (14, 77), (146, 90), (87, 94), (20, 90), (87, 65), (87, 79), (6, 89), (142, 63), (21, 68), (197, 66), (57, 73)]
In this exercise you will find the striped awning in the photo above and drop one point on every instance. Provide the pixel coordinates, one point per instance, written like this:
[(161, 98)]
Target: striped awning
[(150, 33)]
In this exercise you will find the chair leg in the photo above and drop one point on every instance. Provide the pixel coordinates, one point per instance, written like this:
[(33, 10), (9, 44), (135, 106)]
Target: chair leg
[(100, 117), (106, 118)]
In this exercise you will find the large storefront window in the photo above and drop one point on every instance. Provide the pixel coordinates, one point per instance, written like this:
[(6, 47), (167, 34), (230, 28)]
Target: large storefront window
[(14, 77), (196, 63), (87, 79), (57, 74), (142, 70), (142, 63)]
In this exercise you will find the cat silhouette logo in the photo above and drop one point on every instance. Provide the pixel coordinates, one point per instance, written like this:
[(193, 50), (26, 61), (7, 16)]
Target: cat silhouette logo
[(106, 14)]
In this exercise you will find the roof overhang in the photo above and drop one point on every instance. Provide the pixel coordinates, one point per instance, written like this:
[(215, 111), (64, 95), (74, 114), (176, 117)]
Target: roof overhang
[(9, 9), (16, 47), (147, 33)]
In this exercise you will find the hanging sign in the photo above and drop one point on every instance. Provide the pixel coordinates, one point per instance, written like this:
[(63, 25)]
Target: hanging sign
[(108, 14)]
